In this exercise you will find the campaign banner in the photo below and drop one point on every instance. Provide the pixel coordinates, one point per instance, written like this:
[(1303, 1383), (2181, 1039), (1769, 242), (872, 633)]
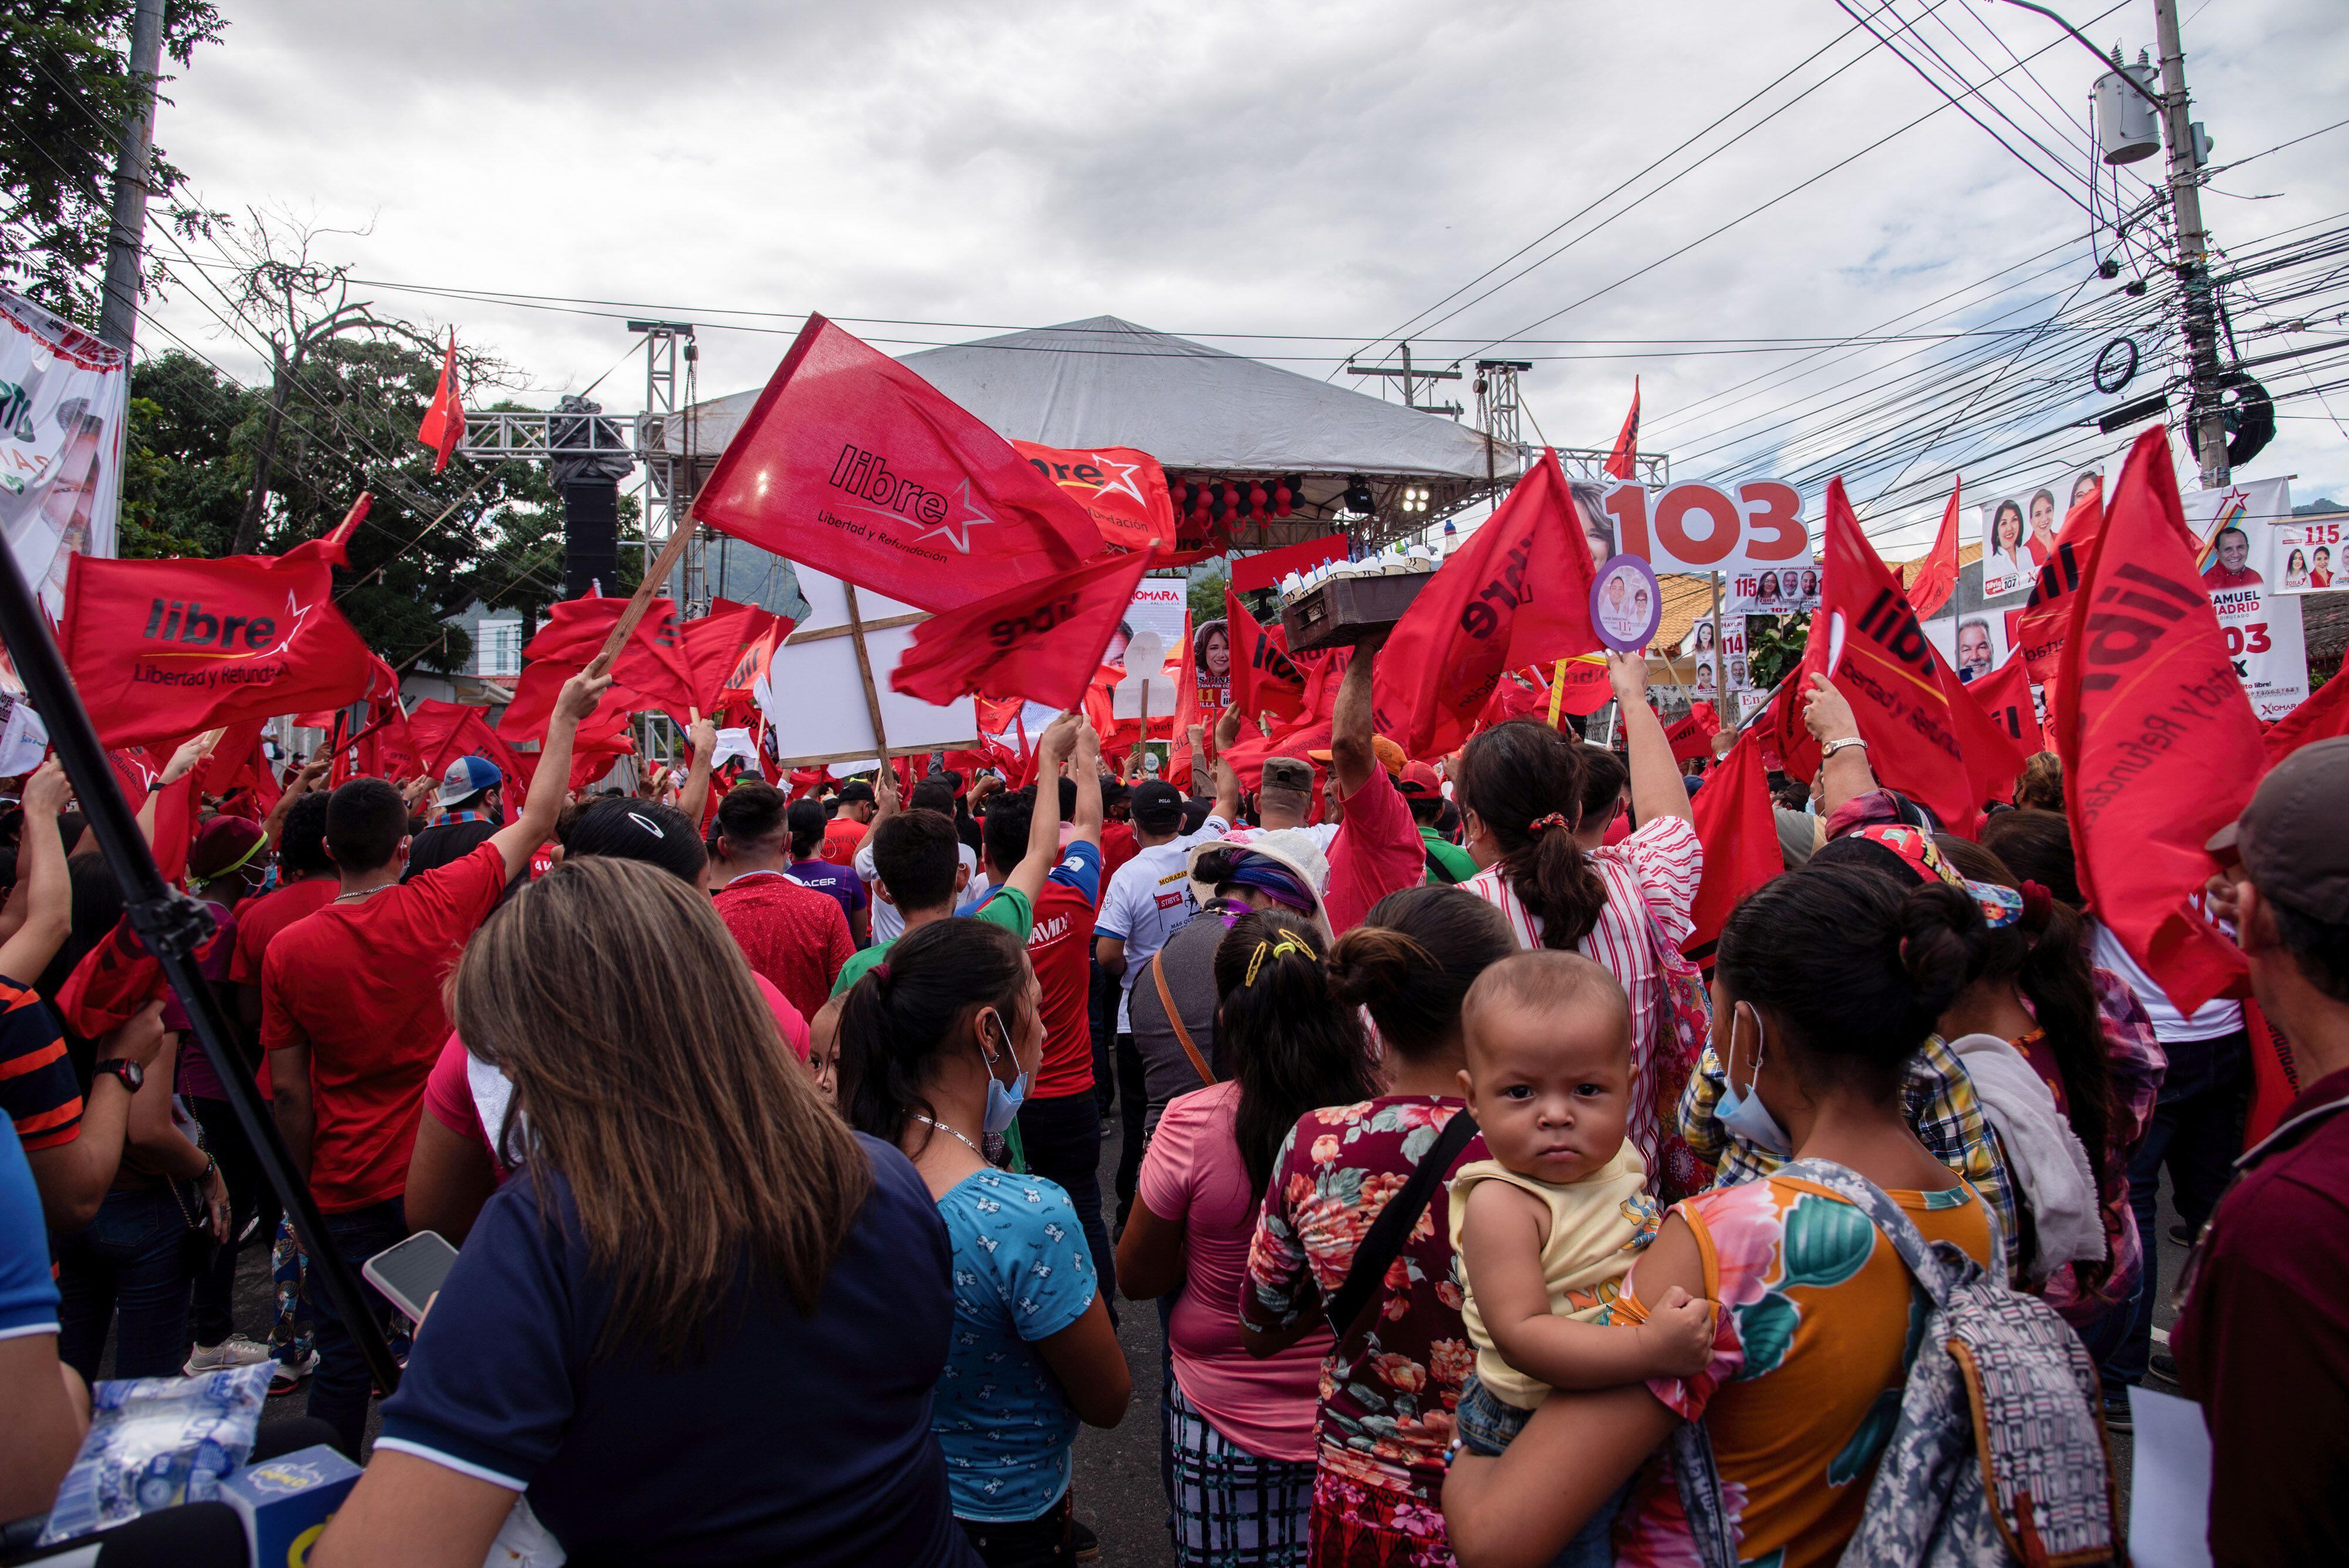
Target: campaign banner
[(1753, 526), (1704, 664), (2314, 554), (65, 398), (2239, 534), (1159, 606), (2018, 530), (1786, 590), (1211, 665)]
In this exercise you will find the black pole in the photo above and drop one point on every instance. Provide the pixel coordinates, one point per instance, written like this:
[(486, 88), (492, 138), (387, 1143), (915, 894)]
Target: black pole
[(173, 925)]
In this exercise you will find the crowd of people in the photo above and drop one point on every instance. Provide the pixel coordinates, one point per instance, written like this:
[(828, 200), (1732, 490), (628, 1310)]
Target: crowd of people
[(768, 1123)]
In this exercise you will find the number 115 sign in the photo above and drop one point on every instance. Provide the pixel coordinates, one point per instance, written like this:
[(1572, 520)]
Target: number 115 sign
[(1706, 528)]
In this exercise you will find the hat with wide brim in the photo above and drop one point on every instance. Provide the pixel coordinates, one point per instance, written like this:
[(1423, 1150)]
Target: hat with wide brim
[(1290, 847)]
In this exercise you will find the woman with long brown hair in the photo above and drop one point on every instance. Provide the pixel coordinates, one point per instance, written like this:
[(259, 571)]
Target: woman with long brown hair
[(704, 1319)]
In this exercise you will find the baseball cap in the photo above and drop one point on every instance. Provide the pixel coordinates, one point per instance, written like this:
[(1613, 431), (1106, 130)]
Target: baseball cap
[(2293, 838), (467, 777), (854, 791), (1157, 806), (1390, 755), (1287, 773), (1419, 779)]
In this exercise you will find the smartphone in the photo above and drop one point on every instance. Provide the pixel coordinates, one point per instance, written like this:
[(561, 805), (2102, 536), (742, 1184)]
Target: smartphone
[(409, 1272)]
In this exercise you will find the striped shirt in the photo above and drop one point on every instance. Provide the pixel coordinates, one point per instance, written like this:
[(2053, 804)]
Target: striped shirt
[(1651, 878), (37, 1086)]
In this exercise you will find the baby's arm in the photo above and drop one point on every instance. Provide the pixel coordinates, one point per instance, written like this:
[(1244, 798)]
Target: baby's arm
[(1501, 1240)]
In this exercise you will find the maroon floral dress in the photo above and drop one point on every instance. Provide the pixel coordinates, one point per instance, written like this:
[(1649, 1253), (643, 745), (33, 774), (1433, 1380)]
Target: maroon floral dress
[(1387, 1395)]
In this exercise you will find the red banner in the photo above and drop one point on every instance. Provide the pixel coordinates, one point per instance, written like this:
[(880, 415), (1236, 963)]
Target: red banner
[(1739, 835), (1265, 680), (1041, 640), (1938, 578), (1693, 736), (852, 464), (2005, 695), (1122, 490), (2323, 715), (652, 671), (727, 650)]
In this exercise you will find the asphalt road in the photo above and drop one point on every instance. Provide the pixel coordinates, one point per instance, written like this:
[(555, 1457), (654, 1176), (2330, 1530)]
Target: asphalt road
[(1117, 1489)]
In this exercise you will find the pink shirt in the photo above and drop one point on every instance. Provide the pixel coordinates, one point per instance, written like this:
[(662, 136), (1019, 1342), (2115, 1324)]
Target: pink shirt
[(1378, 851), (1192, 1176)]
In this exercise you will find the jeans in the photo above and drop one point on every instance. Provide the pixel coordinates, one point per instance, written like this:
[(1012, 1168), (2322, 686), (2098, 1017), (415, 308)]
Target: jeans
[(130, 1262), (2197, 1132), (249, 1194), (1039, 1543), (1063, 1135), (1133, 1110), (340, 1390), (1486, 1426)]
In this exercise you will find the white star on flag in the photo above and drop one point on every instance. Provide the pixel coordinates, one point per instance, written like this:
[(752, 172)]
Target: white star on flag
[(957, 529), (1123, 482)]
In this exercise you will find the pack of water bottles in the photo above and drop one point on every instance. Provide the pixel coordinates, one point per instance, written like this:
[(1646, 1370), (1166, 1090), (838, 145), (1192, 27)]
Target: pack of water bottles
[(158, 1442)]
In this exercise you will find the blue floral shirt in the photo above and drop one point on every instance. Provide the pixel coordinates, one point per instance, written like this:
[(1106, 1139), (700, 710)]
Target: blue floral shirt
[(1022, 1273)]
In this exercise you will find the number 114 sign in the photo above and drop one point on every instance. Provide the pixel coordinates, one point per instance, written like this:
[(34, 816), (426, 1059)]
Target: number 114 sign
[(1754, 525)]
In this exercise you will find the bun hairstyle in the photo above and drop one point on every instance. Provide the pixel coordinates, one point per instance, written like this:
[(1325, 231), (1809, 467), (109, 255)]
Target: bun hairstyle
[(805, 820), (2040, 783), (1855, 968), (2045, 956), (1525, 780), (2037, 846), (898, 1021), (1412, 961), (1280, 1034)]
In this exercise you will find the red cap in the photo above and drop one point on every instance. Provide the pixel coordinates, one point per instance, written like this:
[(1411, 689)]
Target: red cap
[(1419, 778)]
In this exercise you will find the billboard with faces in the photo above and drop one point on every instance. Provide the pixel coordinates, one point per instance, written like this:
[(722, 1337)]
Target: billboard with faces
[(2018, 530)]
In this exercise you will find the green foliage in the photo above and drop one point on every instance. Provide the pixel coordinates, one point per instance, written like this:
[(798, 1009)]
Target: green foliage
[(1206, 597), (1775, 646), (183, 480), (66, 92)]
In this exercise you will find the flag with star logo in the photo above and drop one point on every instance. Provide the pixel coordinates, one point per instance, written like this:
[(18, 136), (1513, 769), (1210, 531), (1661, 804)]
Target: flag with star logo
[(852, 464), (1123, 489)]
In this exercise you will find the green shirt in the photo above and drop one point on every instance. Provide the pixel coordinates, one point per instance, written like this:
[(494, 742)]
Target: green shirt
[(1448, 855), (1007, 907)]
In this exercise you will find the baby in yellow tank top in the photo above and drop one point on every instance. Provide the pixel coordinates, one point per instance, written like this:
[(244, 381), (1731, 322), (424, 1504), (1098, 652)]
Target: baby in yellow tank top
[(1548, 1227)]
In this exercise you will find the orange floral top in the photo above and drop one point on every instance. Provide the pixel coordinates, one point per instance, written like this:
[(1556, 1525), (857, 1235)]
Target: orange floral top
[(1818, 1323), (1387, 1395)]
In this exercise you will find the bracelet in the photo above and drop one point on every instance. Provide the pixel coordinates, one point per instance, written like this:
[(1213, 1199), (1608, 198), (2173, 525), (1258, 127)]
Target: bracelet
[(1832, 747)]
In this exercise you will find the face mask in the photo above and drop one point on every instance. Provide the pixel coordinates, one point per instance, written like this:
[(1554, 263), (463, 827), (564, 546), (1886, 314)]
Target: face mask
[(1002, 1104), (1744, 1114)]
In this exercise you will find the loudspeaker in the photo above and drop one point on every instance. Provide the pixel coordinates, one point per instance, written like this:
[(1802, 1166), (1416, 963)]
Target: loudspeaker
[(591, 537)]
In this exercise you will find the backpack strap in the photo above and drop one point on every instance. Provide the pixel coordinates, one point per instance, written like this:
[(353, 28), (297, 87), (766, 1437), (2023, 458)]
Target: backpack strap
[(1383, 1242), (1438, 872), (1932, 1271), (1174, 1018)]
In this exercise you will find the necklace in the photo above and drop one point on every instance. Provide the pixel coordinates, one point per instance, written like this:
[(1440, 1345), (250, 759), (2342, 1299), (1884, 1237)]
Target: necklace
[(949, 1132), (367, 893)]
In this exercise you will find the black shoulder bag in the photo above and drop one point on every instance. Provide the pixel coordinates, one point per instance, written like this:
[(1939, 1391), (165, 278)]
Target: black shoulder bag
[(1383, 1242)]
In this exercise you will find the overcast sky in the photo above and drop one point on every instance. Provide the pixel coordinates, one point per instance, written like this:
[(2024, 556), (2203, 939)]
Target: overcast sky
[(1324, 170)]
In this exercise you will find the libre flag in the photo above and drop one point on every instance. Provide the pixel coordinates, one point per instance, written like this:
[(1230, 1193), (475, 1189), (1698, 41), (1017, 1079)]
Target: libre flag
[(1938, 579), (1620, 461), (1040, 641), (161, 649), (852, 464), (1993, 756), (1739, 835), (1518, 593), (1899, 688), (1693, 736), (727, 650), (651, 671), (2320, 718), (1187, 712), (444, 420), (2160, 746), (2005, 695), (1264, 678), (1122, 490)]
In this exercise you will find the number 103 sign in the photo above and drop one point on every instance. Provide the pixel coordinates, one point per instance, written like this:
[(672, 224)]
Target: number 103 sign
[(1702, 528)]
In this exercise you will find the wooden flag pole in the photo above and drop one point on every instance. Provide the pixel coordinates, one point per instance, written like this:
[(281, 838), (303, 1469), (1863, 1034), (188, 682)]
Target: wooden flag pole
[(865, 668), (626, 626)]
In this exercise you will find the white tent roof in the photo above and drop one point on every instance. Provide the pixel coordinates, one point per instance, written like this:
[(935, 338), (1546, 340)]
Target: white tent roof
[(1108, 382)]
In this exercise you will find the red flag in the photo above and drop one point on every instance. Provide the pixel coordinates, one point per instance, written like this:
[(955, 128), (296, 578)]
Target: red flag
[(1582, 690), (1248, 752), (751, 664), (652, 671), (1877, 656), (2324, 714), (852, 463), (1187, 712), (171, 648), (1693, 736), (1993, 757), (1937, 580), (2160, 746), (2005, 695), (1518, 592), (1739, 835), (444, 422), (727, 643), (1265, 680), (238, 762), (444, 731), (1122, 490), (1621, 462), (1041, 640)]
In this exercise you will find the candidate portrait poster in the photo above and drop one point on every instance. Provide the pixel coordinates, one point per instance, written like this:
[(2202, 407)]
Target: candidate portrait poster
[(2309, 553), (2239, 532), (2018, 530), (1781, 590), (1975, 643), (64, 398)]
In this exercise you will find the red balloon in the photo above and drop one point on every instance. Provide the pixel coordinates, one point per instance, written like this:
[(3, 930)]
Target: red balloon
[(1256, 494)]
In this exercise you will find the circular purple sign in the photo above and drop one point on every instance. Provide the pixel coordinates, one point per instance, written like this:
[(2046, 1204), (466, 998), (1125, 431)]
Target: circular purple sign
[(1626, 605)]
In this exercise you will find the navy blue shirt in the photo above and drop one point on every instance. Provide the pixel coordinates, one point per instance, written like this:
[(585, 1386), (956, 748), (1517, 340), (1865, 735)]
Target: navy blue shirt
[(803, 1440)]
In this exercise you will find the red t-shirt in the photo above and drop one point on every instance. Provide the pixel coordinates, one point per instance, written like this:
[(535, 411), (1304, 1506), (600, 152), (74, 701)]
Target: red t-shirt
[(1061, 946), (258, 922), (360, 982), (842, 837), (795, 936), (1378, 851), (1118, 846)]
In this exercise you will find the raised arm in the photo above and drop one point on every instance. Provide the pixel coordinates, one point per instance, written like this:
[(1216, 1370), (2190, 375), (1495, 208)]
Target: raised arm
[(302, 784), (1351, 755), (1086, 770), (185, 761), (1827, 713), (694, 799), (1656, 787), (41, 873), (1044, 823), (518, 839)]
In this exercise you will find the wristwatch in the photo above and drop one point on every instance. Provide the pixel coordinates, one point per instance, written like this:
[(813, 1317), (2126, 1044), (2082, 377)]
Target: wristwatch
[(1832, 747), (131, 1074)]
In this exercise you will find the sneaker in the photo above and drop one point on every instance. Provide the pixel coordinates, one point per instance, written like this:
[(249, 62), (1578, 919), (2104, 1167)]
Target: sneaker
[(2181, 1234), (2164, 1366), (234, 1351), (290, 1374), (1086, 1543), (250, 1227), (2117, 1408)]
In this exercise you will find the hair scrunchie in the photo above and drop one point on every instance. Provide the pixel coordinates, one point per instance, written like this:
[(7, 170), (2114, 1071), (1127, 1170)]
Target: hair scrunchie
[(2038, 906), (1265, 950), (1541, 824)]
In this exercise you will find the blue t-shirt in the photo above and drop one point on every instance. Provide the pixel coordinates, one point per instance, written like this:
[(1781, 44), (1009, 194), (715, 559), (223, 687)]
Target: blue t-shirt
[(792, 1439), (837, 880), (28, 1297), (1022, 1273)]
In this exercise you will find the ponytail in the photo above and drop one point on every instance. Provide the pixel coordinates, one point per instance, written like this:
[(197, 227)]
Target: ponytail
[(1525, 781), (1278, 1031), (897, 1021)]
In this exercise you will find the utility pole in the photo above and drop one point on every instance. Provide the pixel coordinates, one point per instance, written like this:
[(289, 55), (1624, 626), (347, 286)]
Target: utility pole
[(2207, 423), (127, 231), (1410, 379)]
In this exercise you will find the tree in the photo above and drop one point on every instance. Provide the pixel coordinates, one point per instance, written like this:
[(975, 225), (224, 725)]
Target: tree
[(1206, 596), (1774, 646), (183, 480), (65, 93)]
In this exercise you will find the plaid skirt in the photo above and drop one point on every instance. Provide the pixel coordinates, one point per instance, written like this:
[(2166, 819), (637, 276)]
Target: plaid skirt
[(1230, 1508)]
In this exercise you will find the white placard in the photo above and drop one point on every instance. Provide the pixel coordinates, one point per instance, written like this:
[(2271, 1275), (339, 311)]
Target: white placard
[(64, 398), (814, 694)]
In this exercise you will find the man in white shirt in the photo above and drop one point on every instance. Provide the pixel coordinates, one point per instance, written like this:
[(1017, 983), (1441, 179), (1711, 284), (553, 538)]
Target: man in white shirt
[(1147, 901)]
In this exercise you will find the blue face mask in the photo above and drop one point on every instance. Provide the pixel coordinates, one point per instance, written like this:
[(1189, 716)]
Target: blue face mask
[(1002, 1104), (1744, 1114)]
